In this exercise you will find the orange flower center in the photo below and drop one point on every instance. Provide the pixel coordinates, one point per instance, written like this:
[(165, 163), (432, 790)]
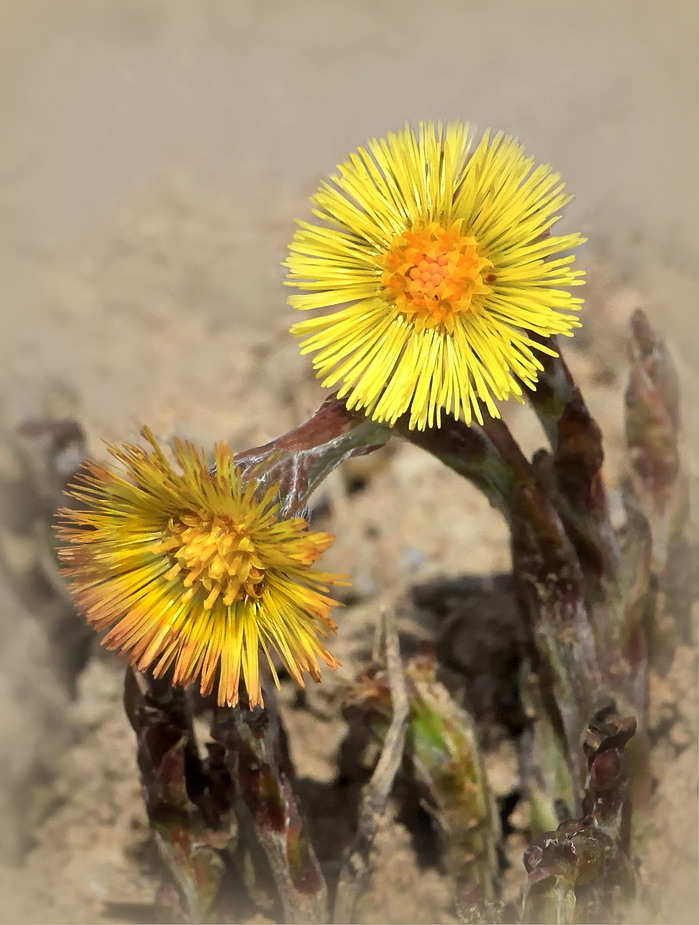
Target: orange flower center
[(434, 273), (213, 553)]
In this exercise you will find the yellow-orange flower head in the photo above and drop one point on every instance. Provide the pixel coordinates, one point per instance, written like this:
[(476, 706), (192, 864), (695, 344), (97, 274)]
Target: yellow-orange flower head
[(192, 570), (441, 261)]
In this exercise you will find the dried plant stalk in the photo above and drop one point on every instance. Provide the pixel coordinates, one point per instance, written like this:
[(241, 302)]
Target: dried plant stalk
[(355, 869), (443, 762)]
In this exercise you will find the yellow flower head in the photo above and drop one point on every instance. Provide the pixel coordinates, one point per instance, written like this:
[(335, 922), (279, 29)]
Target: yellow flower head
[(191, 570), (441, 261)]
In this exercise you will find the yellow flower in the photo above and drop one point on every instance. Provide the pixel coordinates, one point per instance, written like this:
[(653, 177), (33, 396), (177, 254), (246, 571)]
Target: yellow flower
[(191, 570), (441, 260)]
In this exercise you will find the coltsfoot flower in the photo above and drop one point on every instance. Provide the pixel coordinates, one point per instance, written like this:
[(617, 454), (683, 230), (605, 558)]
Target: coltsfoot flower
[(441, 261), (191, 570)]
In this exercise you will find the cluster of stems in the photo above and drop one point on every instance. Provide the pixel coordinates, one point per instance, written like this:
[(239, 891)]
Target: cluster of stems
[(597, 602)]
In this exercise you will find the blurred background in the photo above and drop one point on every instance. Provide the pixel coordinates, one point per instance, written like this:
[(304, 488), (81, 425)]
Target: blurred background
[(154, 155)]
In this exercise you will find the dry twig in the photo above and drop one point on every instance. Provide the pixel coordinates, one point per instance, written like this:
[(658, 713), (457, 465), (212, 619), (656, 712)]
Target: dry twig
[(373, 806)]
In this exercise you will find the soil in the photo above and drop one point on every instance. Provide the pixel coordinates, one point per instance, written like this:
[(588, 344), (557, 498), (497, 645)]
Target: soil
[(150, 294)]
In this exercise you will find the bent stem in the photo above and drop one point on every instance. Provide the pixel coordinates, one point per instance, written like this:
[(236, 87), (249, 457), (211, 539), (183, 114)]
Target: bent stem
[(547, 571), (298, 461)]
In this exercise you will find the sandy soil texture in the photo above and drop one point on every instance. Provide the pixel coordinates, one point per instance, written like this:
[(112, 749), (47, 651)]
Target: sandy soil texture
[(153, 157)]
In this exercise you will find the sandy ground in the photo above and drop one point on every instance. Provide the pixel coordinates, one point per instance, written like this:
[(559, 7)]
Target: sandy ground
[(153, 157)]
